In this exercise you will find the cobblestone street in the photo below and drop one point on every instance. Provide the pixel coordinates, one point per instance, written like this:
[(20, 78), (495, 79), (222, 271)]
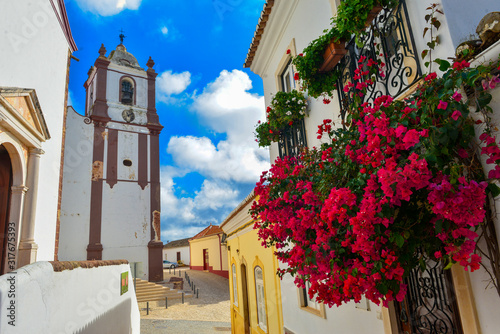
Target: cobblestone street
[(209, 313)]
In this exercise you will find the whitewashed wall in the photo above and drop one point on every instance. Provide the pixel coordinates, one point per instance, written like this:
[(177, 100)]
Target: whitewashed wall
[(75, 201), (125, 230), (34, 55), (344, 319), (48, 302), (170, 254), (486, 298), (287, 21)]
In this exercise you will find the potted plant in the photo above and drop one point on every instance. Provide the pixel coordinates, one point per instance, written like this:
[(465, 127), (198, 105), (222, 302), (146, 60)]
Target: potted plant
[(286, 108), (316, 65)]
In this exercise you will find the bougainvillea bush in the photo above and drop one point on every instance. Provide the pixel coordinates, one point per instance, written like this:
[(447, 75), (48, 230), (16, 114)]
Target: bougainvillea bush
[(286, 108), (402, 179)]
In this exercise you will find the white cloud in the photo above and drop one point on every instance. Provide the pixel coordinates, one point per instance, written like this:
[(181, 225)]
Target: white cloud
[(164, 30), (230, 167), (169, 83), (213, 195), (108, 7), (227, 106), (226, 161)]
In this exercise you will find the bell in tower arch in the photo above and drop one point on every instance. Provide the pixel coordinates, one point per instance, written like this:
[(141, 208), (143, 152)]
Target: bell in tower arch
[(127, 92)]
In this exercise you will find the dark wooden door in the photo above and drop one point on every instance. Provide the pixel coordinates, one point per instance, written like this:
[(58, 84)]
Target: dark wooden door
[(205, 259), (5, 190), (246, 310), (178, 256), (430, 303)]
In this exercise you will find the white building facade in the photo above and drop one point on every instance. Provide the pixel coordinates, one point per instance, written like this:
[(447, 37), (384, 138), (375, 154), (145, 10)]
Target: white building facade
[(177, 250), (34, 64), (111, 184), (292, 25)]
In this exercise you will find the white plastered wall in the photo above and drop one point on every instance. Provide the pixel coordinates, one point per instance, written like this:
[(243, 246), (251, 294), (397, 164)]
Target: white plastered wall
[(34, 55), (49, 302), (75, 201), (170, 254), (287, 23)]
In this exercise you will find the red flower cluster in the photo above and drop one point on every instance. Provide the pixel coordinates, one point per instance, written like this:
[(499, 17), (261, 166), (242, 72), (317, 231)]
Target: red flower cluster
[(351, 217)]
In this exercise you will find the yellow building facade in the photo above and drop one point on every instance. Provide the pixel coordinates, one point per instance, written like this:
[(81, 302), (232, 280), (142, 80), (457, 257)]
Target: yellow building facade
[(207, 252), (254, 286)]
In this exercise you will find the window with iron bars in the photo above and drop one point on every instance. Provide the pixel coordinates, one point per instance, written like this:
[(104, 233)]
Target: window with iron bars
[(292, 138), (390, 40)]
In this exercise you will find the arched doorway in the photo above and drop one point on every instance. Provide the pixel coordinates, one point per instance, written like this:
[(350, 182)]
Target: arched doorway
[(5, 194)]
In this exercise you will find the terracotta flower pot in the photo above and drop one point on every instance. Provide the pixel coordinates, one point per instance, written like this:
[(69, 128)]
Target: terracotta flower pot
[(333, 54), (373, 14)]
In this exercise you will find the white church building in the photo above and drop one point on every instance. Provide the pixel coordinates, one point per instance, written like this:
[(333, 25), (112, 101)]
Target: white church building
[(110, 205)]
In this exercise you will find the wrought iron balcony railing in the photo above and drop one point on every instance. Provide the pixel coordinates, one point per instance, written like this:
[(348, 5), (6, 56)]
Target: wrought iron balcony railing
[(389, 39)]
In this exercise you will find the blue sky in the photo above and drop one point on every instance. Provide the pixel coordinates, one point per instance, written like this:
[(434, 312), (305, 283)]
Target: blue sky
[(208, 104)]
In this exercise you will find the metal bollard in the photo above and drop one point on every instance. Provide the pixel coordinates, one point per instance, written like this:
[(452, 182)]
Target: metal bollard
[(166, 302), (179, 273), (183, 297), (174, 270), (197, 290), (147, 308), (169, 270)]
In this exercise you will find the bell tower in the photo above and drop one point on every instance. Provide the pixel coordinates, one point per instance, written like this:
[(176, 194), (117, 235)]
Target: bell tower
[(116, 180)]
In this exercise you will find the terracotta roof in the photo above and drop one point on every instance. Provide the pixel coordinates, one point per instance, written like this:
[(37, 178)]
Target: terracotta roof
[(210, 230), (177, 243), (264, 16)]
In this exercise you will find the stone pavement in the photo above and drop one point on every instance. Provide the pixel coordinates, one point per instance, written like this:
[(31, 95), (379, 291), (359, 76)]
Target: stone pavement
[(157, 326), (210, 313)]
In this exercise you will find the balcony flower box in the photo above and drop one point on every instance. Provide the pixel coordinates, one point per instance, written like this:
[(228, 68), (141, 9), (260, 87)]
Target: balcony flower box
[(333, 54), (373, 14)]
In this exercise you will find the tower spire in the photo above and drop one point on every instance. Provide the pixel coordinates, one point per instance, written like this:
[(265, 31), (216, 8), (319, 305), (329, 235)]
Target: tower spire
[(122, 36)]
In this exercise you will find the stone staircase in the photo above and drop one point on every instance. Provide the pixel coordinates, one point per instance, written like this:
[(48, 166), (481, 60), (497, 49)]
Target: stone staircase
[(147, 292)]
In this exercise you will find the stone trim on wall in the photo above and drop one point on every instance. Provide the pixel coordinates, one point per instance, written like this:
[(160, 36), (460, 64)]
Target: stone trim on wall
[(70, 265)]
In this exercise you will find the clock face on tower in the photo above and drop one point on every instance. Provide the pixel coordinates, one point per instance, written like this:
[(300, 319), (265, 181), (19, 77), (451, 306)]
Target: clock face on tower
[(128, 115)]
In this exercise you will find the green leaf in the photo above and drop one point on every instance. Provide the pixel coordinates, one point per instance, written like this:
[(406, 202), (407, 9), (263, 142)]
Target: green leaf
[(399, 240), (493, 189), (484, 99), (382, 288), (443, 64), (448, 266), (439, 226), (425, 30), (422, 264), (424, 53), (448, 83)]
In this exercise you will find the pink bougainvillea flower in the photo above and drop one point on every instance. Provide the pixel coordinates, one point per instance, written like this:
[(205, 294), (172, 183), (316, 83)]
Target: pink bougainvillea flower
[(442, 105), (258, 121), (457, 96), (431, 76), (456, 115), (478, 121), (288, 51), (326, 101), (463, 153), (296, 76), (460, 65)]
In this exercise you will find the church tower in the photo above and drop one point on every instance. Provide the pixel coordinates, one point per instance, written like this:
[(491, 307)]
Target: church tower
[(110, 206)]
